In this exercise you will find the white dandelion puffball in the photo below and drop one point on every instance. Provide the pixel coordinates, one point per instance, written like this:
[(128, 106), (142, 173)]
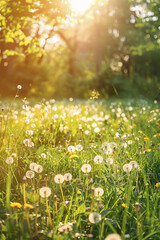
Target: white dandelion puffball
[(45, 192), (109, 161), (29, 174), (97, 130), (134, 164), (94, 217), (67, 176), (124, 145), (98, 192), (127, 167), (32, 166), (86, 168), (79, 148), (130, 142), (9, 160), (113, 236), (59, 179), (14, 155), (71, 149), (43, 155), (98, 159), (38, 168), (19, 87)]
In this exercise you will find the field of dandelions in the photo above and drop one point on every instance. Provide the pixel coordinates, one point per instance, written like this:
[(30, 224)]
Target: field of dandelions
[(80, 170)]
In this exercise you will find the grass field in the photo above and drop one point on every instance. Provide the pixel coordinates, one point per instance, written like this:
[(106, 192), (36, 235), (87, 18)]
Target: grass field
[(80, 170)]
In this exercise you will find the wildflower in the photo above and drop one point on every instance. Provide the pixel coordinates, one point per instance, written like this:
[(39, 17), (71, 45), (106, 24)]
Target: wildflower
[(27, 205), (32, 166), (109, 161), (146, 138), (97, 130), (45, 192), (29, 174), (94, 125), (9, 160), (127, 168), (71, 149), (98, 159), (98, 192), (149, 150), (16, 204), (38, 168), (59, 179), (134, 164), (43, 155), (124, 145), (94, 217), (124, 205), (14, 155), (113, 236), (67, 176), (86, 132), (19, 87), (73, 156), (29, 132), (130, 142), (65, 228), (79, 148), (116, 137), (157, 184), (137, 207), (86, 168), (28, 143)]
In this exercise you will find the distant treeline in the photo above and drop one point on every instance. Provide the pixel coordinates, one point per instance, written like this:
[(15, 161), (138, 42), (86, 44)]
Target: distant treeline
[(111, 49)]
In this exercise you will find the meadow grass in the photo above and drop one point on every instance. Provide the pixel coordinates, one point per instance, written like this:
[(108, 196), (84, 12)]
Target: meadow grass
[(80, 170)]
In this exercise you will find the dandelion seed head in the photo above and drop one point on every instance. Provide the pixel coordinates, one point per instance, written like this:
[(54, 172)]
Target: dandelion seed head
[(29, 174), (98, 192), (59, 179), (45, 192), (71, 149), (109, 161), (113, 236), (32, 166), (79, 148), (9, 160), (67, 176), (98, 159), (86, 168), (38, 168), (19, 87), (43, 155), (94, 217), (127, 168), (134, 164)]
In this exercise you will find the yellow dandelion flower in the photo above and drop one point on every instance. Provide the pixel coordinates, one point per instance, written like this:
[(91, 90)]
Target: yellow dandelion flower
[(15, 204), (27, 205), (157, 184), (133, 125), (124, 205), (75, 180), (157, 123), (114, 124), (146, 138), (73, 156), (116, 137), (149, 150)]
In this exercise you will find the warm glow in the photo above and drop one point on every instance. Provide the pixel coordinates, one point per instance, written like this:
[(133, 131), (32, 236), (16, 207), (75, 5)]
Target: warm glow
[(80, 6)]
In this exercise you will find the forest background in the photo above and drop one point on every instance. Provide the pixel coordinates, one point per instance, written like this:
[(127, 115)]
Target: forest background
[(110, 49)]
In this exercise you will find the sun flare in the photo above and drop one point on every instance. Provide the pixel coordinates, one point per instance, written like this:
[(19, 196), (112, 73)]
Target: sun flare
[(80, 6)]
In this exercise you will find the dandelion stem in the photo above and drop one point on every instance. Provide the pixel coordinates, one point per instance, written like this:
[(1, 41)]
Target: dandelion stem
[(62, 195)]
